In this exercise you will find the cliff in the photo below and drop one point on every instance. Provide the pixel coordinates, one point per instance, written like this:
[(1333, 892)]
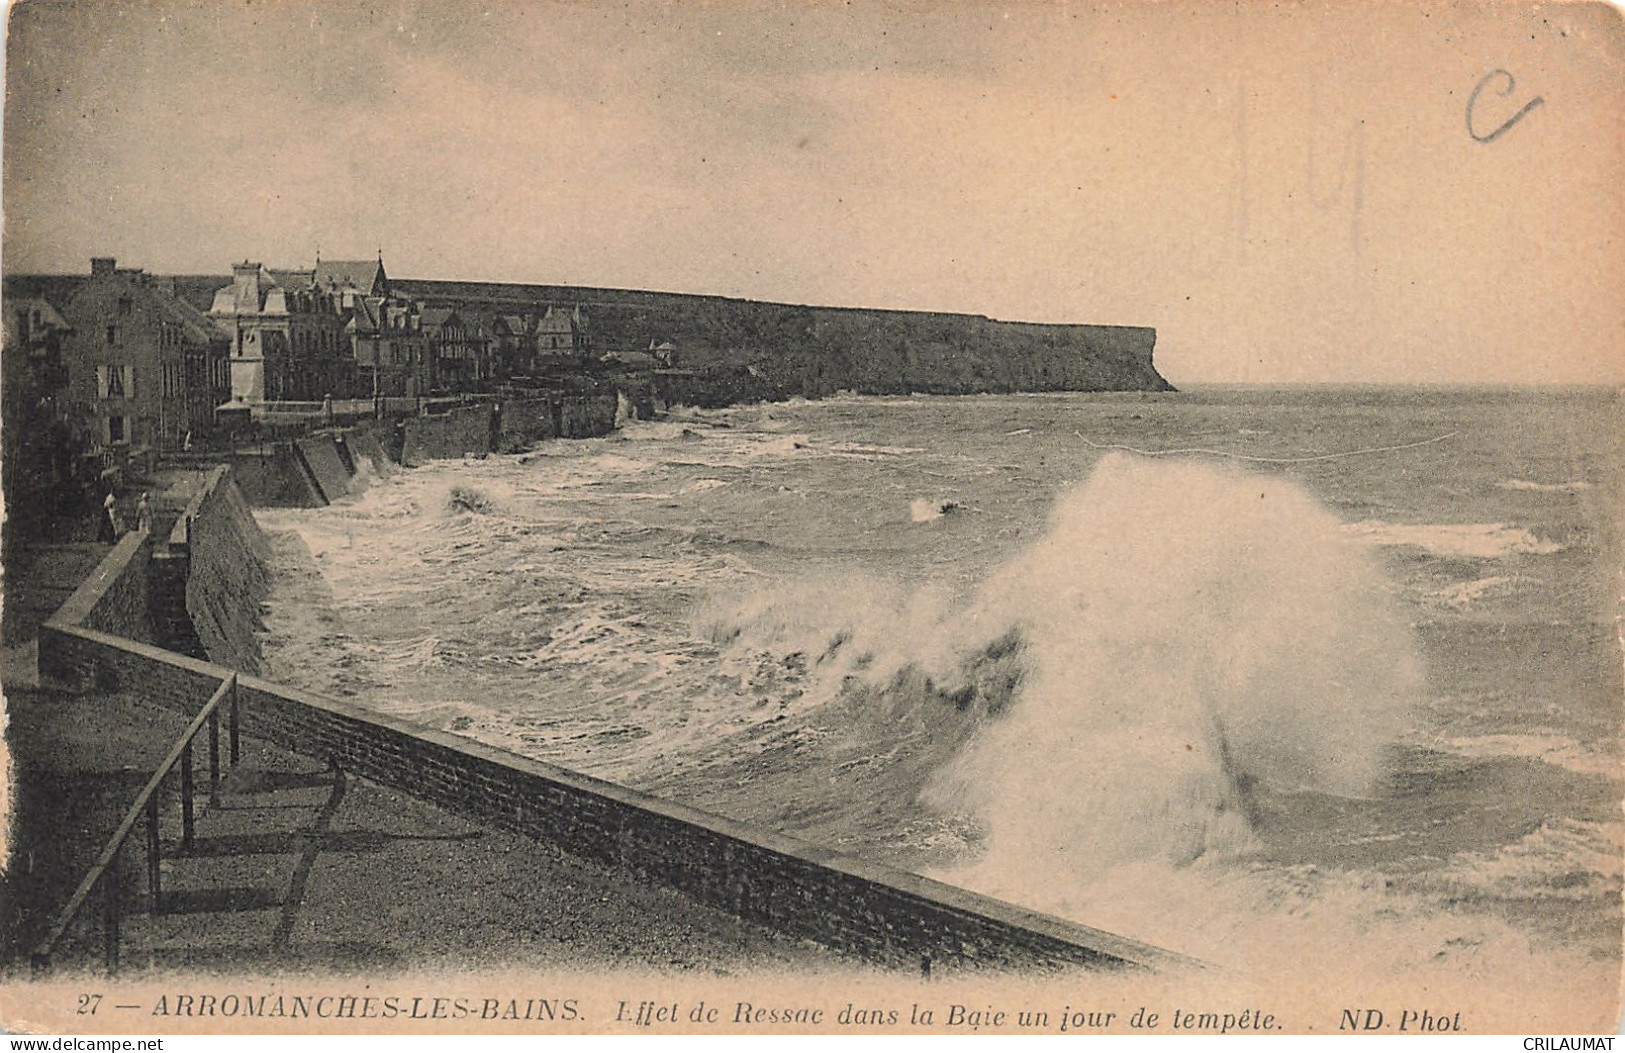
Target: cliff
[(731, 349)]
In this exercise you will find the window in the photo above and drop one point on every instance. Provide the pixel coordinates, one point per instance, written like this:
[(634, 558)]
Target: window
[(115, 382), (115, 429), (124, 305), (112, 334), (174, 379)]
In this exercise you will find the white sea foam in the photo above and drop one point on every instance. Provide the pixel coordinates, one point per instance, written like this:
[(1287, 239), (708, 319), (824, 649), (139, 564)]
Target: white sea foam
[(1470, 540), (1280, 929), (1557, 750), (1464, 594), (1174, 640), (1190, 631), (1563, 859), (870, 451), (1544, 488)]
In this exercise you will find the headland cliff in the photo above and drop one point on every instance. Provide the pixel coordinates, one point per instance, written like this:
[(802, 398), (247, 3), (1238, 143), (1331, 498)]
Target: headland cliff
[(728, 350)]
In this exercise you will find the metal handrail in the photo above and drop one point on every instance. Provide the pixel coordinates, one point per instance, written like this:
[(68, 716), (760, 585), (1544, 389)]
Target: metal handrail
[(105, 871)]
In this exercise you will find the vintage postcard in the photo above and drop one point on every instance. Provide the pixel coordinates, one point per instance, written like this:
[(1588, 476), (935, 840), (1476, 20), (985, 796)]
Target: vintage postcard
[(776, 518)]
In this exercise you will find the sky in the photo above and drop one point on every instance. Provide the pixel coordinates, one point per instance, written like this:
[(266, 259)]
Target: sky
[(1286, 192)]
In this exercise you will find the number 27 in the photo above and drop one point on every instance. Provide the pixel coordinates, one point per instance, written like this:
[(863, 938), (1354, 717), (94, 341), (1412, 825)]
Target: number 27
[(88, 1004)]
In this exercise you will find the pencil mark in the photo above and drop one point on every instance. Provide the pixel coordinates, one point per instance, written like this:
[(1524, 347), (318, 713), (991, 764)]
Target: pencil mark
[(1472, 101), (1350, 172), (1238, 206)]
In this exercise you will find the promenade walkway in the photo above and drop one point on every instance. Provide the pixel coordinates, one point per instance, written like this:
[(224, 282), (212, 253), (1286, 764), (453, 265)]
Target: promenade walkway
[(297, 867)]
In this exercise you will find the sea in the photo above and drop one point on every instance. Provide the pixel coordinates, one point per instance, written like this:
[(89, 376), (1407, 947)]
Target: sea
[(1279, 678)]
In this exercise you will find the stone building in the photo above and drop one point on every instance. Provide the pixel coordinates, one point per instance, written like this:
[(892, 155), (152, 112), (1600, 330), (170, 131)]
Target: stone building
[(287, 334), (515, 345), (459, 351), (560, 339), (545, 340), (44, 471), (144, 367), (390, 349)]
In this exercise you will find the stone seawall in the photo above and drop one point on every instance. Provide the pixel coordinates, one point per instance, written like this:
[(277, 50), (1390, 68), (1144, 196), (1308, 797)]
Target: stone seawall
[(321, 468), (522, 421), (447, 436), (865, 909), (584, 418), (366, 447), (321, 457), (196, 590), (274, 477), (505, 426), (228, 573), (808, 892)]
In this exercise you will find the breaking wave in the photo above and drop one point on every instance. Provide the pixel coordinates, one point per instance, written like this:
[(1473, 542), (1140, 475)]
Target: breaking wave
[(1191, 633), (1112, 714), (1182, 636)]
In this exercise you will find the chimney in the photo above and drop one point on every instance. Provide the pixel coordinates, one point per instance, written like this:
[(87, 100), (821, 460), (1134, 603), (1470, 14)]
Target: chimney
[(246, 277), (102, 266)]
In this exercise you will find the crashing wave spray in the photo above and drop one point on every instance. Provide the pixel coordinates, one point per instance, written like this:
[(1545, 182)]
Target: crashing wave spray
[(1191, 634)]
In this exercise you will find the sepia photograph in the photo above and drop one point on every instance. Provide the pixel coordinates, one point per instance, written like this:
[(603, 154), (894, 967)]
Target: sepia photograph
[(773, 517)]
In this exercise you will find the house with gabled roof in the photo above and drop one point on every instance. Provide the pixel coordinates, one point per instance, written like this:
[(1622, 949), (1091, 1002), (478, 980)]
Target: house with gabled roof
[(391, 351), (515, 345), (287, 335), (363, 277), (458, 351), (561, 339), (144, 367)]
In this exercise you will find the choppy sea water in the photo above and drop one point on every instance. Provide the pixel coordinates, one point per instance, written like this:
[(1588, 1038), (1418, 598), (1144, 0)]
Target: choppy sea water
[(1340, 680)]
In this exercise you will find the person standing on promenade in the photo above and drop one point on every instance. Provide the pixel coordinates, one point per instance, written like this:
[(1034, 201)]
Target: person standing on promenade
[(143, 514), (110, 523)]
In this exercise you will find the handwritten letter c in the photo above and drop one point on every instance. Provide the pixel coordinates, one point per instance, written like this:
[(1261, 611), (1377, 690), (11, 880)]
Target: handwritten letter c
[(1472, 101)]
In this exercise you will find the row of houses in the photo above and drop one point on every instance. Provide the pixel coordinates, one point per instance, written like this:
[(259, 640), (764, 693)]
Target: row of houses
[(338, 330), (125, 358)]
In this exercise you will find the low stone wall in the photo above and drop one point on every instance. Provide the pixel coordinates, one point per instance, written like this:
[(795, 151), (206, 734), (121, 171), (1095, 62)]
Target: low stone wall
[(117, 596), (808, 892)]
